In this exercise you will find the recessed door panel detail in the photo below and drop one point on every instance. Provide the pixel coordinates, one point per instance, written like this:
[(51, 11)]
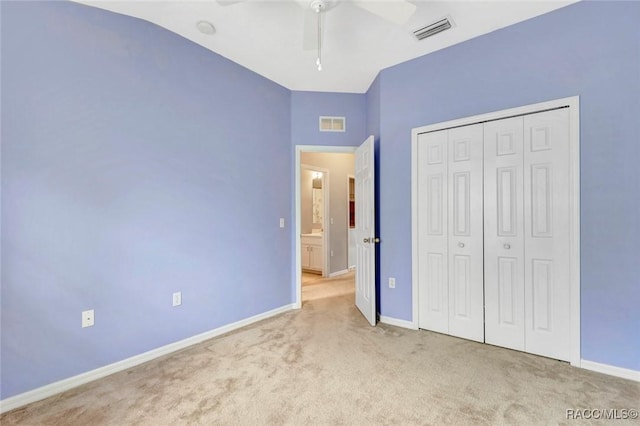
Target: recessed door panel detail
[(435, 154), (507, 209), (541, 208), (540, 139), (435, 269), (542, 292), (461, 203), (436, 190), (366, 216), (461, 281), (507, 282), (461, 150), (506, 144)]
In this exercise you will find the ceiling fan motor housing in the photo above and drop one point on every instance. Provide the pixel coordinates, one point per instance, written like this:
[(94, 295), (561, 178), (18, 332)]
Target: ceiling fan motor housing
[(318, 5)]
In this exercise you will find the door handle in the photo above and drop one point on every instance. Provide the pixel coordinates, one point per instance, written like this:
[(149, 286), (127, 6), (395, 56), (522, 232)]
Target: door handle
[(461, 245), (366, 240), (376, 240), (507, 246)]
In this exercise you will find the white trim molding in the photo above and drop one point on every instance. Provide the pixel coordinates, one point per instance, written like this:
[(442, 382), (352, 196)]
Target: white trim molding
[(573, 103), (611, 370), (75, 381), (338, 273), (411, 325)]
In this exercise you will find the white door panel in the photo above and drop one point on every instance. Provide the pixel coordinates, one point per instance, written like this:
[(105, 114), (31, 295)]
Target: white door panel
[(466, 316), (365, 231), (432, 232), (503, 233), (546, 216)]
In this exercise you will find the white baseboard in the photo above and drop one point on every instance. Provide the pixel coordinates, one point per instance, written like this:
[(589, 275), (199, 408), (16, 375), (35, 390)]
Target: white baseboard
[(611, 370), (398, 322), (338, 273), (75, 381)]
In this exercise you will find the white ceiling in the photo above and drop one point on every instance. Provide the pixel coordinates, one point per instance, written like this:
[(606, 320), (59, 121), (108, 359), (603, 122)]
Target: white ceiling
[(266, 36)]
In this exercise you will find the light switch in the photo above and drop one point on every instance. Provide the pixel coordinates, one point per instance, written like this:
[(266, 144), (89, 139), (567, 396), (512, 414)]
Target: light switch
[(177, 298), (88, 318), (282, 222)]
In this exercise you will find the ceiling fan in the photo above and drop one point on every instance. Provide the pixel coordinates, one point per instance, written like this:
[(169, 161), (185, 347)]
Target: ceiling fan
[(395, 11)]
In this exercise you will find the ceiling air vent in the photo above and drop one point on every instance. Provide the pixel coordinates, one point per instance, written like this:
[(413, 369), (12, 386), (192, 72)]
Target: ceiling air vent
[(433, 29)]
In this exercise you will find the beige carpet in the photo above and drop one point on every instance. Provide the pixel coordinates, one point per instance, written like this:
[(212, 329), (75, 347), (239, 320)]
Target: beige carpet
[(325, 365)]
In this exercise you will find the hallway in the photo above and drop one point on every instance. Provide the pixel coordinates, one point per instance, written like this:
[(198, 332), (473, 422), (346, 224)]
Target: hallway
[(315, 287)]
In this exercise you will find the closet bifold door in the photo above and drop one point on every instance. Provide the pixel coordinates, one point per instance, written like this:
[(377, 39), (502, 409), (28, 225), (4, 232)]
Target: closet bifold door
[(432, 232), (464, 176), (503, 233), (547, 224), (450, 232)]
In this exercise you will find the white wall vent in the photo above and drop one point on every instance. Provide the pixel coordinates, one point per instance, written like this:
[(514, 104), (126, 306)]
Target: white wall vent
[(332, 124), (435, 28)]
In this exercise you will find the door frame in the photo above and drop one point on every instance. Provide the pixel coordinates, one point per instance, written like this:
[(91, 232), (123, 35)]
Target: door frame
[(349, 177), (574, 201), (299, 149), (326, 208)]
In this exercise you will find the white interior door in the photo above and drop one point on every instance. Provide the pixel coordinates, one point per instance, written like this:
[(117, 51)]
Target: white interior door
[(465, 240), (433, 273), (547, 224), (365, 231), (503, 233)]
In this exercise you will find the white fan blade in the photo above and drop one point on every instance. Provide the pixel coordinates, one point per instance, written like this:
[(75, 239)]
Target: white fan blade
[(310, 35), (395, 11)]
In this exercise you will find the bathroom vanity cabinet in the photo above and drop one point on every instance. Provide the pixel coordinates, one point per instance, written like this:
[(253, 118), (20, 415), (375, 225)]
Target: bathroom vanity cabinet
[(312, 252)]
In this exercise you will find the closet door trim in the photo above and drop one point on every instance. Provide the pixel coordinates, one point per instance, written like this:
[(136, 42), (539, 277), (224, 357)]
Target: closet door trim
[(573, 103)]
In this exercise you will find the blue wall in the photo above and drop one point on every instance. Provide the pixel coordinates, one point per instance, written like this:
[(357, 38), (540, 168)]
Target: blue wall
[(306, 107), (552, 56), (135, 163)]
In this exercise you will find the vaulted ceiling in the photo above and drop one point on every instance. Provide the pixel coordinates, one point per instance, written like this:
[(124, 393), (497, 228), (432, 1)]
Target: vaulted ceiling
[(267, 36)]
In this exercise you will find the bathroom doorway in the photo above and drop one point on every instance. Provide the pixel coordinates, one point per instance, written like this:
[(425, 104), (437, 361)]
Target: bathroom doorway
[(314, 210), (322, 213)]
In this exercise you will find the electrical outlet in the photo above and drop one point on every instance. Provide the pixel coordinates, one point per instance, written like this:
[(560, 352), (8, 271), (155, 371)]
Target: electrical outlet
[(392, 283), (177, 298), (88, 318)]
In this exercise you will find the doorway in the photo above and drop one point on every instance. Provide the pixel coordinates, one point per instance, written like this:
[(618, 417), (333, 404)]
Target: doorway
[(314, 214), (336, 218)]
